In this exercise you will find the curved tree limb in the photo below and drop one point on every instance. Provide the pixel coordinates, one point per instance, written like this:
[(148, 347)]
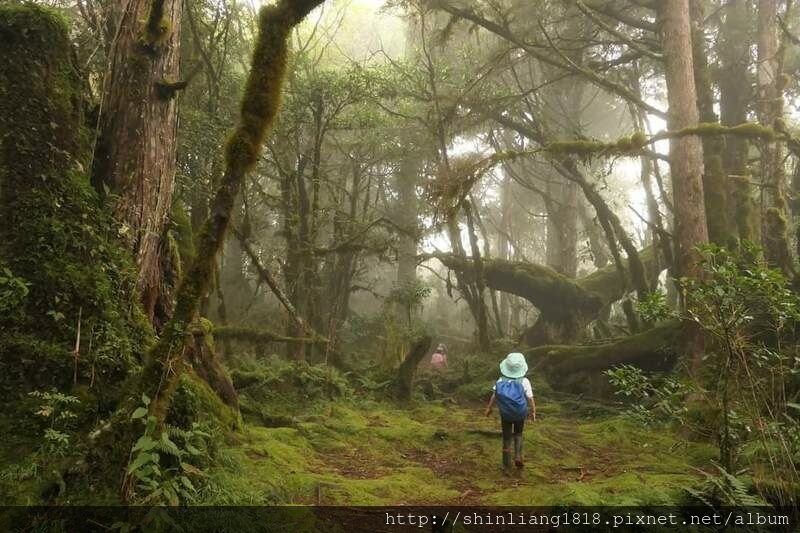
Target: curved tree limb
[(566, 305)]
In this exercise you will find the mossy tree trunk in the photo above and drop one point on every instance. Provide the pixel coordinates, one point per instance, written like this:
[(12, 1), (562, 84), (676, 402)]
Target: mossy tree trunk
[(686, 153), (260, 103), (580, 369), (770, 82), (734, 50), (135, 154), (406, 179), (734, 96), (54, 236), (562, 101), (408, 368), (715, 179), (406, 213)]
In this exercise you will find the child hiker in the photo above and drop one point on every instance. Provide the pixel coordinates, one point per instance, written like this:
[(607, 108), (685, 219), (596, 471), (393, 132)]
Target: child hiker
[(514, 395)]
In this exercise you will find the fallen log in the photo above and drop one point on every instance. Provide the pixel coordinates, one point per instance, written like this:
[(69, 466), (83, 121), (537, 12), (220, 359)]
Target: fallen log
[(580, 369)]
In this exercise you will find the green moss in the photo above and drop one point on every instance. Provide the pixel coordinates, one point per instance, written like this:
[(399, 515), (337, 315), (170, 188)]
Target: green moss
[(579, 369), (777, 241), (158, 28), (54, 233), (181, 229), (372, 453), (745, 212), (194, 401), (631, 145), (752, 130), (167, 89)]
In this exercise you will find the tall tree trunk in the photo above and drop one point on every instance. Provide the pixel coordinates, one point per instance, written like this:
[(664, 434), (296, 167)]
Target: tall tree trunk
[(406, 219), (561, 110), (504, 245), (136, 149), (480, 284), (734, 94), (770, 109), (686, 153), (562, 228), (406, 180), (715, 180), (260, 104), (594, 234)]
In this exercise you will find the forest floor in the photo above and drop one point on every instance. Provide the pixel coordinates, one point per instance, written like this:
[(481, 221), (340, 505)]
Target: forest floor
[(435, 453)]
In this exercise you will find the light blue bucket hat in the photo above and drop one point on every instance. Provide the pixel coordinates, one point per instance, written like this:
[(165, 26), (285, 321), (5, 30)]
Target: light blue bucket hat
[(514, 366)]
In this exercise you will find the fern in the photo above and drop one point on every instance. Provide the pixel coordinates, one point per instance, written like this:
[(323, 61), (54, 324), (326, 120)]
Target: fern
[(726, 489)]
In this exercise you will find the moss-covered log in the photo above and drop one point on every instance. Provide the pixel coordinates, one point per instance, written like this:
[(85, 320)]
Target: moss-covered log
[(566, 305), (56, 241), (579, 369)]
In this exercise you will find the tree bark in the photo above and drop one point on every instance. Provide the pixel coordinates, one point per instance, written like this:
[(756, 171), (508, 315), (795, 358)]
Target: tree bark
[(406, 216), (686, 153), (715, 180), (135, 155), (54, 234), (734, 95), (408, 368), (260, 103), (770, 110)]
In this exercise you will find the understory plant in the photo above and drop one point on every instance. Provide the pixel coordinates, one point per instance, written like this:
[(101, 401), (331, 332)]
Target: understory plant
[(160, 471), (746, 395), (749, 314), (653, 399), (55, 410)]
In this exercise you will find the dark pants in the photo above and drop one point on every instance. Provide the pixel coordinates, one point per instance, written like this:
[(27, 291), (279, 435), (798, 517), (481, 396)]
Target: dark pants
[(510, 428)]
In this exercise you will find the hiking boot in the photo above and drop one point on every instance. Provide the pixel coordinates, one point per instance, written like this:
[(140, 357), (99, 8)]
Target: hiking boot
[(518, 451), (506, 455)]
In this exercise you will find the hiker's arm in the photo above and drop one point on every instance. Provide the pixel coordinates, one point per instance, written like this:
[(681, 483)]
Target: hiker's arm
[(489, 407), (532, 410)]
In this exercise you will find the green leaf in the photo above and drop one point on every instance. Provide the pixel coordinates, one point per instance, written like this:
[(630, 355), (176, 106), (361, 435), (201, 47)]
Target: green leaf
[(139, 413), (145, 444), (190, 469), (140, 460), (192, 450), (187, 483), (169, 446)]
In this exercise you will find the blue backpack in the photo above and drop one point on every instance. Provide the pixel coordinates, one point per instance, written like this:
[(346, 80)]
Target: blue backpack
[(511, 399)]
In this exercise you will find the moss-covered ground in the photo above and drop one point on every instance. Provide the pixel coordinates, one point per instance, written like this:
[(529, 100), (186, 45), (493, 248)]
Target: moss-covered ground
[(309, 435), (372, 453)]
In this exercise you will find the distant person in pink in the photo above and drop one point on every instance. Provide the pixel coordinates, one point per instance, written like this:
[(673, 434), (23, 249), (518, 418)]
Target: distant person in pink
[(439, 358)]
